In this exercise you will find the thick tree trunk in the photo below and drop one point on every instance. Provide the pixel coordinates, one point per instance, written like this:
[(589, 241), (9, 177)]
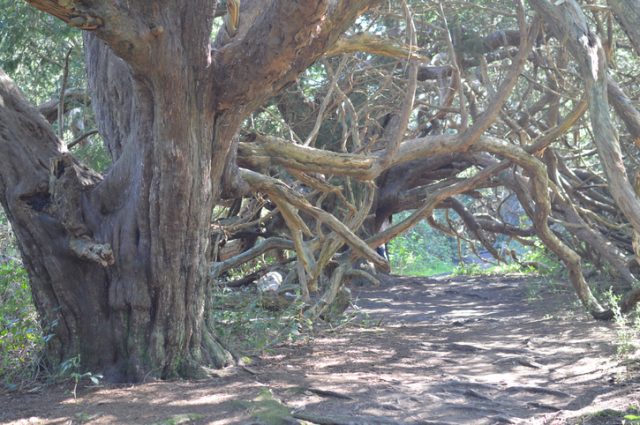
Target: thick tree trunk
[(66, 288), (144, 312), (118, 265), (155, 222)]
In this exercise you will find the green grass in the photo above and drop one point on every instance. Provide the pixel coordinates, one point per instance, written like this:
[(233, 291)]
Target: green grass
[(630, 416), (424, 269)]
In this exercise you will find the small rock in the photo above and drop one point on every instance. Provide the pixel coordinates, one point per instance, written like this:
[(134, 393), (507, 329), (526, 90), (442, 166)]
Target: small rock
[(269, 282)]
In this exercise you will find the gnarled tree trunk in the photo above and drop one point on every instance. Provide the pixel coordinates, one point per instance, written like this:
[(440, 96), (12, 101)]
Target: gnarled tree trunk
[(118, 264)]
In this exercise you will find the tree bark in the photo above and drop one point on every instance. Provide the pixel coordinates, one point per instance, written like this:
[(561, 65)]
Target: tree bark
[(627, 12), (119, 265), (567, 22)]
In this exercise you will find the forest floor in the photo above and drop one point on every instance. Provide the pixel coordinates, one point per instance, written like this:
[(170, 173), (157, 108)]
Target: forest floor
[(449, 350)]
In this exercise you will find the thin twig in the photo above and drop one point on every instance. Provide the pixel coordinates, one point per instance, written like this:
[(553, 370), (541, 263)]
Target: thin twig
[(80, 138), (456, 76), (410, 94), (63, 88), (310, 141)]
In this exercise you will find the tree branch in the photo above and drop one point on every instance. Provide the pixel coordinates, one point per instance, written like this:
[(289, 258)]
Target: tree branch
[(276, 189), (274, 55), (569, 23), (267, 245), (110, 20)]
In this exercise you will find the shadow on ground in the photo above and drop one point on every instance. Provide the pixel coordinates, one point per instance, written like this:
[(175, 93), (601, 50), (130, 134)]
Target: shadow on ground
[(481, 350)]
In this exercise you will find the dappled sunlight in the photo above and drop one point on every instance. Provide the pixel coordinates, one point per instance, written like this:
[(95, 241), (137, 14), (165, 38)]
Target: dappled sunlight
[(466, 313), (204, 399), (222, 190), (454, 352)]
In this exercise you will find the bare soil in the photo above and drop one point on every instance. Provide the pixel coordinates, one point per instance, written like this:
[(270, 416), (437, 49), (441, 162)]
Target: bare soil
[(480, 350)]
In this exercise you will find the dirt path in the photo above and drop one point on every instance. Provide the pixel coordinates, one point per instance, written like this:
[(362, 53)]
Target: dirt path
[(429, 351)]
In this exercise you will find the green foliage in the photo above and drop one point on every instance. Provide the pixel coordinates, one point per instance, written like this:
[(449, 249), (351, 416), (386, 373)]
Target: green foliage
[(424, 251), (244, 325), (469, 269), (21, 338), (70, 368), (7, 238), (544, 261), (421, 252), (33, 52), (94, 155), (476, 269), (536, 260), (632, 419), (627, 326), (33, 46), (630, 416)]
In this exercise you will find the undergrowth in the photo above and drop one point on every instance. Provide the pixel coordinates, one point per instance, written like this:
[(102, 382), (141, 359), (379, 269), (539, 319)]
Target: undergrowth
[(244, 325), (627, 329), (21, 337), (537, 260)]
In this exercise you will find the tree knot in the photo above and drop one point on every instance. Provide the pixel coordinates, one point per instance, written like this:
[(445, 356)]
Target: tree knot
[(68, 181)]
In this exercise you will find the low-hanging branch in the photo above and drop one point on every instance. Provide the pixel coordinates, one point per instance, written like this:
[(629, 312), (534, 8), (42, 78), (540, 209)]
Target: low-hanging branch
[(266, 245), (277, 189)]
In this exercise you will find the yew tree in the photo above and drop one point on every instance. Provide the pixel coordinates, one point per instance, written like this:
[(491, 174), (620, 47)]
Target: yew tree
[(118, 263), (460, 107)]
